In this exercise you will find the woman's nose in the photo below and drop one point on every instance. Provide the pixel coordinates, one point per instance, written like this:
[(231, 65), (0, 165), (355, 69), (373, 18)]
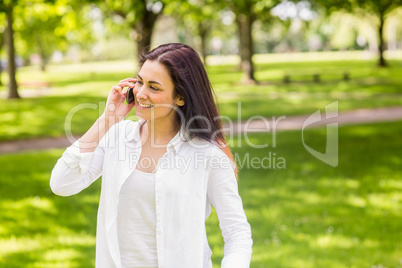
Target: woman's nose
[(140, 91)]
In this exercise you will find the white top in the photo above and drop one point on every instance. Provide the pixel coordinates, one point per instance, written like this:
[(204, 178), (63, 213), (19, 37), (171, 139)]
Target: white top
[(136, 221), (190, 177)]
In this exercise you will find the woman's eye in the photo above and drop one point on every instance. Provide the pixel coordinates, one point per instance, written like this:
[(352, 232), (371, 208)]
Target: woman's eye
[(152, 87)]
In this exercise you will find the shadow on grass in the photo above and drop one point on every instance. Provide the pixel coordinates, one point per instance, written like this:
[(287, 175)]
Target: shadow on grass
[(73, 256), (74, 78), (313, 215), (305, 215), (46, 116), (37, 228)]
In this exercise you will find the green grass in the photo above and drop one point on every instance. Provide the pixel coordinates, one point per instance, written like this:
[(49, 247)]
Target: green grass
[(314, 215), (308, 214), (368, 87), (37, 228), (89, 83)]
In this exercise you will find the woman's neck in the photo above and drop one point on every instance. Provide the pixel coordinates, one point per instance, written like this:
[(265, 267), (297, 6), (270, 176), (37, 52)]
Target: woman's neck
[(160, 132)]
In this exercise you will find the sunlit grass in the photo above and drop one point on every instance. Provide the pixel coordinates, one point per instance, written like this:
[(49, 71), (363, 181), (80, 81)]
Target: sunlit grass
[(308, 214), (313, 215), (37, 228), (89, 83)]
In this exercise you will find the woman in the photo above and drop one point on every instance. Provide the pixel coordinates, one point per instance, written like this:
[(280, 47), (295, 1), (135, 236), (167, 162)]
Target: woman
[(161, 174)]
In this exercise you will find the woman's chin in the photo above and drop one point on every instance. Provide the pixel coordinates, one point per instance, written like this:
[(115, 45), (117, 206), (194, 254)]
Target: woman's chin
[(144, 115)]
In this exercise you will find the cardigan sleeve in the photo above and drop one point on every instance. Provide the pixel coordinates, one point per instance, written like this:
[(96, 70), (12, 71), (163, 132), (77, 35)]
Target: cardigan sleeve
[(75, 171), (224, 197)]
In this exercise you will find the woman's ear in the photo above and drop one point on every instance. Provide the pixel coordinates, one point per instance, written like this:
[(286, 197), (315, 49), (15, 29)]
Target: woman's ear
[(180, 100)]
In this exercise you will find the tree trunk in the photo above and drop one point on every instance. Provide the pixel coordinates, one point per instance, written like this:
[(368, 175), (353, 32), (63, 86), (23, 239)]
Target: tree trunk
[(245, 23), (144, 29), (42, 53), (12, 85), (203, 32), (381, 43), (1, 48), (43, 64), (143, 39)]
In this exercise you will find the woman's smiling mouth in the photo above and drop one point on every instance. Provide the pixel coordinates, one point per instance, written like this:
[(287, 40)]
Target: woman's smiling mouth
[(145, 105)]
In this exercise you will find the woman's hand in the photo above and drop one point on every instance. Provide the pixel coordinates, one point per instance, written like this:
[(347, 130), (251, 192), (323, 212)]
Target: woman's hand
[(116, 110)]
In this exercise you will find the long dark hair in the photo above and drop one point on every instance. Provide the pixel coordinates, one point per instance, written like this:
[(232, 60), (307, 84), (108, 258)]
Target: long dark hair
[(191, 81)]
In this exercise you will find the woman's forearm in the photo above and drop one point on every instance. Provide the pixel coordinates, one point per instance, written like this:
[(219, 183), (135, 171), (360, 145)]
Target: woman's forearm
[(92, 137), (115, 111)]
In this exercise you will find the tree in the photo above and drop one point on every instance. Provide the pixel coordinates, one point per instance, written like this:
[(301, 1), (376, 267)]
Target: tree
[(1, 48), (379, 8), (7, 7), (46, 27), (140, 15), (200, 16), (38, 31), (1, 43), (245, 17), (247, 12)]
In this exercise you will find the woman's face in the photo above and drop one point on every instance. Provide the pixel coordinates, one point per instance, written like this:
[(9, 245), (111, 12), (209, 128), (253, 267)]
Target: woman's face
[(154, 93)]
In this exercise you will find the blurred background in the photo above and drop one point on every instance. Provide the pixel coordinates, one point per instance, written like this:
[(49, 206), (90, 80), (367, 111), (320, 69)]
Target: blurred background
[(266, 58)]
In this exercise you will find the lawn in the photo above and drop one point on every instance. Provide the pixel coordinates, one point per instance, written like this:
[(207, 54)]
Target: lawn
[(80, 90), (303, 214)]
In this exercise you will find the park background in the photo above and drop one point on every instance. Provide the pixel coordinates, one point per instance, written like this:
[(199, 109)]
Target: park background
[(273, 58)]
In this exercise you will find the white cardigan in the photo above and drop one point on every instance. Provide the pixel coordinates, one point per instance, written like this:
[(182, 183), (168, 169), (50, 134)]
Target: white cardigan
[(190, 177)]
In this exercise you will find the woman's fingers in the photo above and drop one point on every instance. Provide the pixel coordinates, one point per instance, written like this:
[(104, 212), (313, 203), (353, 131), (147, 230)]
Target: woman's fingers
[(116, 90), (126, 84), (128, 80), (115, 106), (118, 93)]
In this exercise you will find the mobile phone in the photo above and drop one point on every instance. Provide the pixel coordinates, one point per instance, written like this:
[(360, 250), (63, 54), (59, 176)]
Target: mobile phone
[(130, 96)]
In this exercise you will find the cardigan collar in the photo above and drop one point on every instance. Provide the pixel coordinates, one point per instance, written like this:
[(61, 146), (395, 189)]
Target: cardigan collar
[(173, 146)]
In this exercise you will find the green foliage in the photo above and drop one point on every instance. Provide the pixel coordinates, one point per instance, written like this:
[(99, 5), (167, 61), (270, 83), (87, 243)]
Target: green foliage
[(331, 6), (7, 4), (259, 8), (194, 12), (140, 16), (380, 8), (133, 11), (3, 26), (200, 17), (43, 27)]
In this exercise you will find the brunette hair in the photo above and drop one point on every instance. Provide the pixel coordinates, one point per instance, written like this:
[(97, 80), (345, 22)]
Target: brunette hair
[(191, 81)]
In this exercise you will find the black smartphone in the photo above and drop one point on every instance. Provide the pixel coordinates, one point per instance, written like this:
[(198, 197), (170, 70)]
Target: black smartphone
[(130, 96)]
